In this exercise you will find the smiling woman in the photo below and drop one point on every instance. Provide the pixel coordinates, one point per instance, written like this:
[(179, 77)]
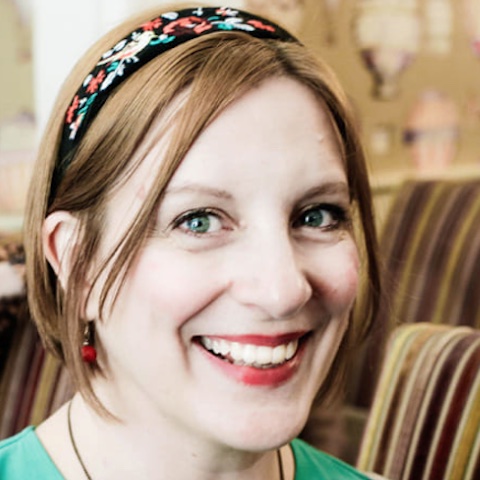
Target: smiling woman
[(195, 239)]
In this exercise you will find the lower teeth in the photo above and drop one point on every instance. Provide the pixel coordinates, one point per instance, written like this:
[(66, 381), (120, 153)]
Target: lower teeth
[(241, 363)]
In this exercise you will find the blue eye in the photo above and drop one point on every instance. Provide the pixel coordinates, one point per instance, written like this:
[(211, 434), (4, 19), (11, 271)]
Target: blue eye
[(199, 223), (321, 216), (314, 218)]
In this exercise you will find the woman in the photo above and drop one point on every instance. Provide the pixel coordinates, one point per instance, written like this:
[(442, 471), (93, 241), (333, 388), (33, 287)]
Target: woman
[(191, 253)]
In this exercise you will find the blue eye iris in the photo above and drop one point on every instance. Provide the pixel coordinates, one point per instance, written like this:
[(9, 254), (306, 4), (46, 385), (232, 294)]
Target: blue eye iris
[(198, 224), (314, 218)]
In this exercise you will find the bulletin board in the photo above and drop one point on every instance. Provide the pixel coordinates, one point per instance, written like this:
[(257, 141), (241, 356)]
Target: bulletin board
[(448, 73)]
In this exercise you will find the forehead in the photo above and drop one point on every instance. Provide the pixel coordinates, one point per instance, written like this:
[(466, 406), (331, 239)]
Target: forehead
[(279, 126), (276, 129)]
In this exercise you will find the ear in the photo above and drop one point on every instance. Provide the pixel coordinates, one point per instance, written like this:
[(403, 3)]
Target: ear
[(60, 231)]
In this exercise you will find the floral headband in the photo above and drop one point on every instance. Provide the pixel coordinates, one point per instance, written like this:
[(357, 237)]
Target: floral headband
[(138, 48)]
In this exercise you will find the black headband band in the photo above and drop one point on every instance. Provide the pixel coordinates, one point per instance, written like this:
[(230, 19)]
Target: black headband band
[(138, 48)]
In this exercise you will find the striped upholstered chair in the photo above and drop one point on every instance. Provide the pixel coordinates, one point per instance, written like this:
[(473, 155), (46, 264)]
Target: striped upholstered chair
[(32, 383), (425, 420), (430, 244)]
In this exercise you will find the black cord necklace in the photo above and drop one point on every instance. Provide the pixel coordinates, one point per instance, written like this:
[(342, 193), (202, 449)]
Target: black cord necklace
[(280, 464), (74, 445), (84, 468)]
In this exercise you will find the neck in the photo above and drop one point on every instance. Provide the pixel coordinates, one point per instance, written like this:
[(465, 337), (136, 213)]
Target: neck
[(158, 449)]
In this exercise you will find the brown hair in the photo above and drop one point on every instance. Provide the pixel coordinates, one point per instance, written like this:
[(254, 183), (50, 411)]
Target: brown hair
[(216, 69)]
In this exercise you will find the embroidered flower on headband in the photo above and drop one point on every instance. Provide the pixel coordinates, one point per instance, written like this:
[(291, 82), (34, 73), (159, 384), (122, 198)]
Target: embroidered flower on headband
[(142, 45)]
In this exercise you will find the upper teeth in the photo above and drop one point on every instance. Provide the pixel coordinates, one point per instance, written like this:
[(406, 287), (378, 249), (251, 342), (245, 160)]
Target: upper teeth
[(251, 355)]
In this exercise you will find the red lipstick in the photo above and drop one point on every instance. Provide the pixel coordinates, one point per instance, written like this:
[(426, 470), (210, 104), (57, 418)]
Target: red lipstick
[(268, 376)]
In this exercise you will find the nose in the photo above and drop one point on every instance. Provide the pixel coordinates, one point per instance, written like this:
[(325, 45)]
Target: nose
[(271, 274)]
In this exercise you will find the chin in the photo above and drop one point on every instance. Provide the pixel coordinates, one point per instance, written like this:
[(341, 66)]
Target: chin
[(264, 432)]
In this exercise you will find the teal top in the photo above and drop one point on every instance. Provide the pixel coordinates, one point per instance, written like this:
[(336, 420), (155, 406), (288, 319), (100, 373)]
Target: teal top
[(23, 457), (312, 464)]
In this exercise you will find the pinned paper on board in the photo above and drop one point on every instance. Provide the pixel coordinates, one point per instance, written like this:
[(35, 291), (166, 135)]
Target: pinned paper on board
[(432, 131), (387, 35)]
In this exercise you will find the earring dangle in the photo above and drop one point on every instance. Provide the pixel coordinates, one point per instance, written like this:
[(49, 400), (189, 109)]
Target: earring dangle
[(88, 351)]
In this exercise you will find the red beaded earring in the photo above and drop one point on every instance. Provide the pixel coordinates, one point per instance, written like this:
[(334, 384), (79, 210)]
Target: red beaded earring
[(88, 351)]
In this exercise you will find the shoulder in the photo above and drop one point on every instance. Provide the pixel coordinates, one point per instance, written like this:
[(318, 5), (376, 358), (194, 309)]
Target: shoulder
[(311, 463), (23, 454)]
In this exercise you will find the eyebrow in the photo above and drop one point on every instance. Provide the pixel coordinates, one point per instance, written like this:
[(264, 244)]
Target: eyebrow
[(328, 188), (194, 188)]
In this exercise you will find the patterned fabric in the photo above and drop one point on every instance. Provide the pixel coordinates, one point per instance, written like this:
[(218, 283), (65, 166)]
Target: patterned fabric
[(33, 384), (142, 45), (431, 248), (13, 308), (425, 420)]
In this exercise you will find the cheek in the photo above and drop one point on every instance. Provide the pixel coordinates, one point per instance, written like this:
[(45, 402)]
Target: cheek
[(175, 285), (338, 277), (351, 268)]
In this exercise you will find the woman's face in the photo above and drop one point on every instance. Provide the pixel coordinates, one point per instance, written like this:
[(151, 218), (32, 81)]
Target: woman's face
[(234, 310)]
